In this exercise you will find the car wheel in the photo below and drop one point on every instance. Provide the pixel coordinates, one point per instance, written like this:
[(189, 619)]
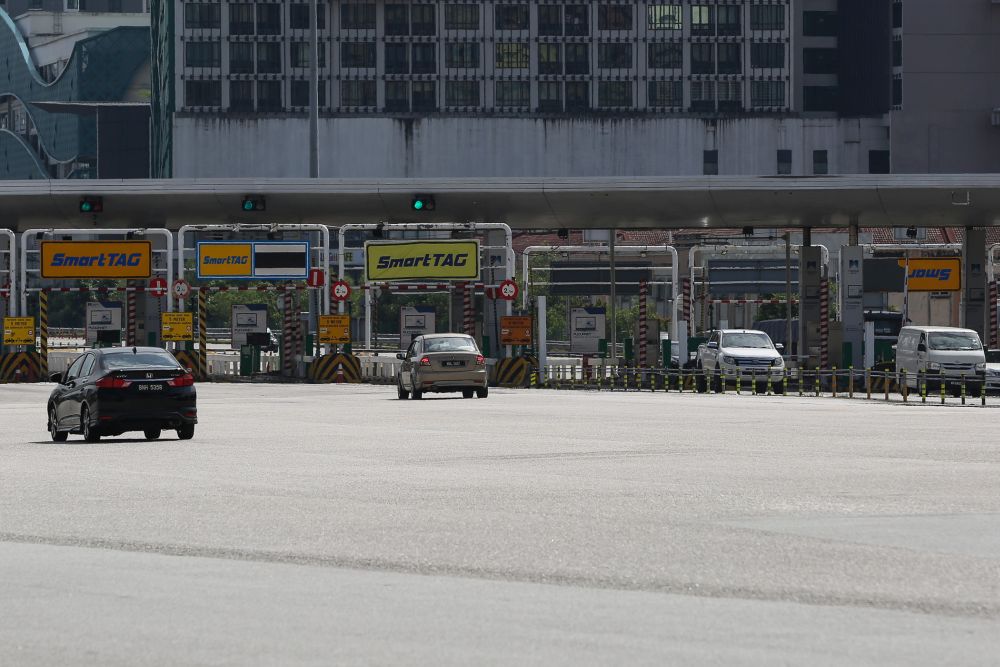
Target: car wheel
[(467, 393), (400, 392), (417, 394), (56, 434), (151, 433), (185, 431), (90, 433), (482, 392)]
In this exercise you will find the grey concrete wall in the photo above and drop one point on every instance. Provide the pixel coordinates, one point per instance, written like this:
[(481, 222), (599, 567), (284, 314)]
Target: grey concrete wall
[(383, 147)]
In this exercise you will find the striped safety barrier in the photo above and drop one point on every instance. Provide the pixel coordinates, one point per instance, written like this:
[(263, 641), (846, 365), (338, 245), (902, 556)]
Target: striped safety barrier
[(511, 372), (21, 367), (43, 335), (336, 368)]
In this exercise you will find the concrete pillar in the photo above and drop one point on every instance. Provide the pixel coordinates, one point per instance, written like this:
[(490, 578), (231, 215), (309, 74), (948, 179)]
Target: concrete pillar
[(974, 282), (810, 274), (852, 314)]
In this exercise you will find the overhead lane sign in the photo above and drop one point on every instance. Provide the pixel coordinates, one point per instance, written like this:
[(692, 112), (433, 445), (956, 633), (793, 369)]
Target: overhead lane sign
[(96, 259), (421, 260), (265, 260), (934, 275)]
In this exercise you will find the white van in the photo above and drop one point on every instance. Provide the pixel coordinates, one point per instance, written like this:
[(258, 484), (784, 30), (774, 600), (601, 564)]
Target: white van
[(941, 354)]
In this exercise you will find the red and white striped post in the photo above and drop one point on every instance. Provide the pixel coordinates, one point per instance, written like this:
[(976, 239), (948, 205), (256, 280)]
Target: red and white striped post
[(468, 310), (287, 344), (643, 289), (824, 322), (130, 306), (688, 307), (994, 295)]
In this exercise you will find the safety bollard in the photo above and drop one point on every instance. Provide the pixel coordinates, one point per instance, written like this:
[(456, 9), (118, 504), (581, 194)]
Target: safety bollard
[(850, 382), (739, 383), (833, 382), (769, 386), (904, 386), (886, 374), (923, 388), (942, 392), (982, 393), (722, 381), (680, 380), (800, 380), (963, 388), (868, 384), (784, 383), (817, 382)]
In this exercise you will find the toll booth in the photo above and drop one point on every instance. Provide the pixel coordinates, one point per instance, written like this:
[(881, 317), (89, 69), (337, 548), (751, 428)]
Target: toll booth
[(415, 321), (103, 323)]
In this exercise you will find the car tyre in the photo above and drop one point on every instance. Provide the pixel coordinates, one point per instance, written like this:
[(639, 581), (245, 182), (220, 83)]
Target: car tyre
[(467, 393), (57, 435), (401, 393), (482, 392), (417, 395), (151, 433), (185, 431), (90, 433)]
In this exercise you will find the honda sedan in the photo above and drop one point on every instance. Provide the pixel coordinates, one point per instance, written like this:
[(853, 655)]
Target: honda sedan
[(442, 362)]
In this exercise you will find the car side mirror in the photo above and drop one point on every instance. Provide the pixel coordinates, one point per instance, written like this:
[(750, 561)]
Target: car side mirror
[(779, 347), (713, 345), (401, 355), (56, 377), (921, 348)]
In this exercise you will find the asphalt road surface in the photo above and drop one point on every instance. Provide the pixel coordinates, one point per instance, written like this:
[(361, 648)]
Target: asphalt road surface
[(337, 525)]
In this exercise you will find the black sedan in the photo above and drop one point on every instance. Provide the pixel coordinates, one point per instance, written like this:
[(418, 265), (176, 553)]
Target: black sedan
[(113, 390)]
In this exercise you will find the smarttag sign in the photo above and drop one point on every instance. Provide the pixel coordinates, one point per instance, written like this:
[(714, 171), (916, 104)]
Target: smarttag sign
[(422, 260), (264, 260), (96, 259), (934, 275)]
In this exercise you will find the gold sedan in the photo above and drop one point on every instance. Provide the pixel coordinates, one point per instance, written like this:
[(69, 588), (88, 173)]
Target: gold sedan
[(441, 363)]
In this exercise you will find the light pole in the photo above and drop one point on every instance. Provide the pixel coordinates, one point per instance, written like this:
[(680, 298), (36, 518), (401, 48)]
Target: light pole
[(314, 92)]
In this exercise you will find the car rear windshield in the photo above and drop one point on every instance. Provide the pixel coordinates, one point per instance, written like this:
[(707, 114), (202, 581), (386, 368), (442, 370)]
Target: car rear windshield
[(450, 345), (954, 341), (129, 359), (746, 340)]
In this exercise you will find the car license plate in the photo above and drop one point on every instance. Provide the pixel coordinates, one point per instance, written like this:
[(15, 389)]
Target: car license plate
[(454, 363), (151, 387)]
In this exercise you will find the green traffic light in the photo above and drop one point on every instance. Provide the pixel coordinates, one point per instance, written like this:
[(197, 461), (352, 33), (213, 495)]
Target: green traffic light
[(86, 207), (418, 204), (248, 205)]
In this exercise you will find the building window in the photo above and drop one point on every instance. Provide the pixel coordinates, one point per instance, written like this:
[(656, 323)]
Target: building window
[(702, 20), (703, 58), (767, 93), (461, 54), (730, 95), (203, 93), (577, 20), (355, 16), (577, 95), (819, 61), (357, 54), (550, 22), (878, 162), (784, 162), (268, 19), (703, 96), (300, 54), (767, 55), (614, 55), (548, 59), (461, 93), (512, 55), (577, 60), (897, 14), (511, 17), (424, 20), (664, 55), (202, 54), (665, 17), (666, 94), (512, 94), (241, 59), (425, 59), (268, 59), (241, 95), (897, 52), (820, 165), (397, 96), (730, 58), (897, 91), (241, 19), (550, 96), (201, 15), (767, 17), (614, 94), (461, 17), (819, 98), (397, 58), (819, 24), (300, 94), (425, 96), (614, 17), (357, 93), (397, 20), (298, 17), (730, 20), (710, 163)]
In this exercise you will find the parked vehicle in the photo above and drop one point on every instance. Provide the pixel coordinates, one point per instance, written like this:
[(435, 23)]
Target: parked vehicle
[(737, 355), (946, 355)]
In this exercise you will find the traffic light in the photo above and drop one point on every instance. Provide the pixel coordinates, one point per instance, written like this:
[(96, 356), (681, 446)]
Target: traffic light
[(422, 203), (252, 203), (92, 205)]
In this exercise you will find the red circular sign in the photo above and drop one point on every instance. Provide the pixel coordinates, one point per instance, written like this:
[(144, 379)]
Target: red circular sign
[(340, 291), (316, 278), (181, 288), (508, 290), (158, 287)]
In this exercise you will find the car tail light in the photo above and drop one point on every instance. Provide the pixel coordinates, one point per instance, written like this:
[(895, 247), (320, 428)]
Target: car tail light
[(185, 380), (113, 382), (425, 361), (480, 360)]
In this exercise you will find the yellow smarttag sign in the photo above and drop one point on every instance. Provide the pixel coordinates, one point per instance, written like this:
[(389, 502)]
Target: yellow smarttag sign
[(177, 326), (422, 260), (225, 260), (334, 329), (19, 331), (96, 259), (934, 275)]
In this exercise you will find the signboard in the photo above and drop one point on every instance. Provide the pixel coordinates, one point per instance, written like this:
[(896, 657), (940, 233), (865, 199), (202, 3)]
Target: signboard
[(749, 276), (95, 259), (421, 260), (247, 318), (102, 316), (587, 329), (934, 275), (582, 278), (158, 287), (177, 326), (334, 329), (19, 331), (414, 321), (254, 260), (515, 330)]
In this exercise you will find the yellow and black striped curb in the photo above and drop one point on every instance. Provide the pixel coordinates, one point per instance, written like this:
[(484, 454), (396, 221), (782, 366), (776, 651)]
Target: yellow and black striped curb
[(511, 372), (21, 367), (336, 368), (189, 359)]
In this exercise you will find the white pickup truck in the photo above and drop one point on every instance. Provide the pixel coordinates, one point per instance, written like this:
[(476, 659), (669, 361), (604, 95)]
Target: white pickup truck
[(732, 355)]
